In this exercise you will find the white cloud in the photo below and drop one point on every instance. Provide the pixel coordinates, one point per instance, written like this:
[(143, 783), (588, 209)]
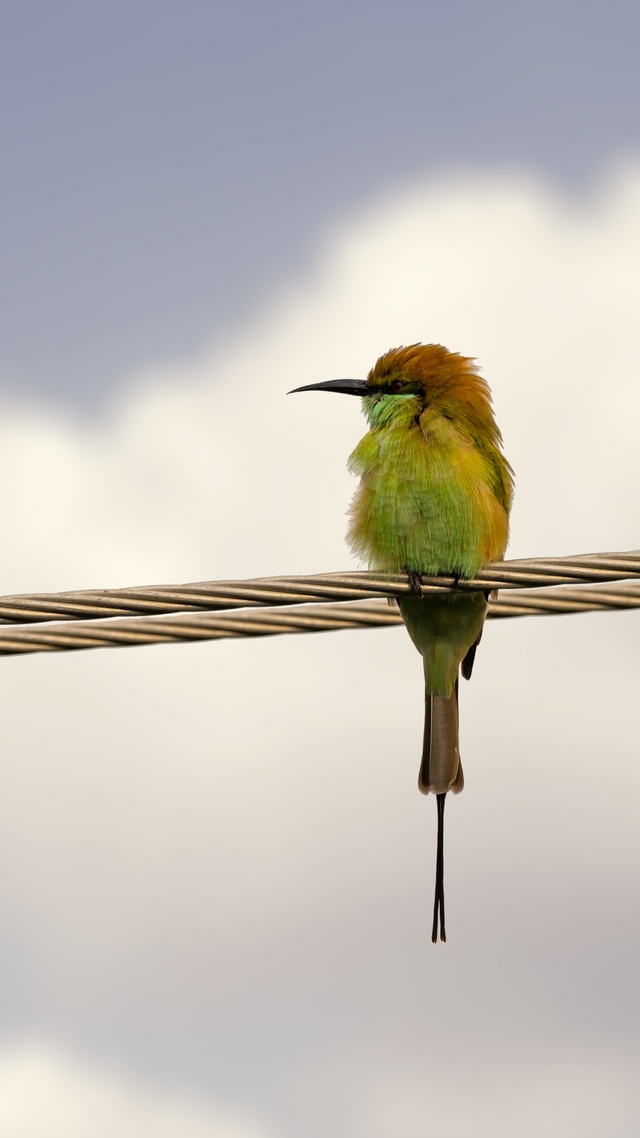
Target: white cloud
[(231, 832), (49, 1092)]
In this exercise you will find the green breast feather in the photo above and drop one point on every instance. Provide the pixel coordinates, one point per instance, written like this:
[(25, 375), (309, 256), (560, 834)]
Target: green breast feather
[(429, 500)]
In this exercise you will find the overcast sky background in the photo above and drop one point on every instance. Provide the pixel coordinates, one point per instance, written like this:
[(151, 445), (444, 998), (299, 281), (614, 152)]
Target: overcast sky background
[(216, 871), (168, 165)]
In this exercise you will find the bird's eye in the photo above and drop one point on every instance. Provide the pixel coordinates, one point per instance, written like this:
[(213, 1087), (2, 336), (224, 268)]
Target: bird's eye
[(396, 386)]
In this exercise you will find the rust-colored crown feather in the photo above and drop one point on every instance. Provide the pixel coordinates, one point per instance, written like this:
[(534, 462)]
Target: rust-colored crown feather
[(444, 380)]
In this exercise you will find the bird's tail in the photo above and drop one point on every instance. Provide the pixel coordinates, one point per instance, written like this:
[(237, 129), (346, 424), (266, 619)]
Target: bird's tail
[(440, 768), (440, 771)]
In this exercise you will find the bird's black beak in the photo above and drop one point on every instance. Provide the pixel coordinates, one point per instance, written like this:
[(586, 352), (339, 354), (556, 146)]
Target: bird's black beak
[(343, 386)]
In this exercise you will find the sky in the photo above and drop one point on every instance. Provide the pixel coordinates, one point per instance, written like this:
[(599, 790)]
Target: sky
[(216, 870), (168, 165)]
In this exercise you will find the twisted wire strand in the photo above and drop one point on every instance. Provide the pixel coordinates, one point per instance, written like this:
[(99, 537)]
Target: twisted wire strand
[(214, 596), (308, 618)]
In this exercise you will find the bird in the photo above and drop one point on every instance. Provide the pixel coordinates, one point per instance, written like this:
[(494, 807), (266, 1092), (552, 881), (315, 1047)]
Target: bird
[(434, 499)]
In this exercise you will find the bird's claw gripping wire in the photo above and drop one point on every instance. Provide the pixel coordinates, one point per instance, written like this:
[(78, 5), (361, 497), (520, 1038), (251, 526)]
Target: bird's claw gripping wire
[(415, 584)]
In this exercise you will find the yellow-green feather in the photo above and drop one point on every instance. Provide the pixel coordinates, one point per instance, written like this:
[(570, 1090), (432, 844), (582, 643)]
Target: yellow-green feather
[(434, 495), (430, 499)]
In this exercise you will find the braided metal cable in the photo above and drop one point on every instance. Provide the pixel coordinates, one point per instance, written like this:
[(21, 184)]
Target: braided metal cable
[(213, 596), (307, 618)]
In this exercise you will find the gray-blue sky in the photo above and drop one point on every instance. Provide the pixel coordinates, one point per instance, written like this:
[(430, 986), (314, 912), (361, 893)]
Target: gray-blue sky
[(165, 164)]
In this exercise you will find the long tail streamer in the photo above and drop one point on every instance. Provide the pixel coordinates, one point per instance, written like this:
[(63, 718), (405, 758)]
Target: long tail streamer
[(438, 903)]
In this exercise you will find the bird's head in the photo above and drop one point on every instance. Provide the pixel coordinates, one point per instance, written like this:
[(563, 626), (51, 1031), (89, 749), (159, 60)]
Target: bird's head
[(407, 381)]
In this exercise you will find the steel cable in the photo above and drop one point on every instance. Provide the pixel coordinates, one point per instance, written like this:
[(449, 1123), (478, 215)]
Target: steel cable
[(213, 596), (306, 618)]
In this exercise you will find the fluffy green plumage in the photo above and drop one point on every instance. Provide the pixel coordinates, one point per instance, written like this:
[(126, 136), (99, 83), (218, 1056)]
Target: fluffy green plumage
[(434, 494), (435, 488)]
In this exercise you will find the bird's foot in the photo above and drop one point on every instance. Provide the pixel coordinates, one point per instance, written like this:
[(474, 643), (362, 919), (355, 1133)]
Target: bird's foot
[(415, 583)]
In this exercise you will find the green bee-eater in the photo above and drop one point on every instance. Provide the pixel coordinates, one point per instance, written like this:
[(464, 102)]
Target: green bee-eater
[(434, 498)]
